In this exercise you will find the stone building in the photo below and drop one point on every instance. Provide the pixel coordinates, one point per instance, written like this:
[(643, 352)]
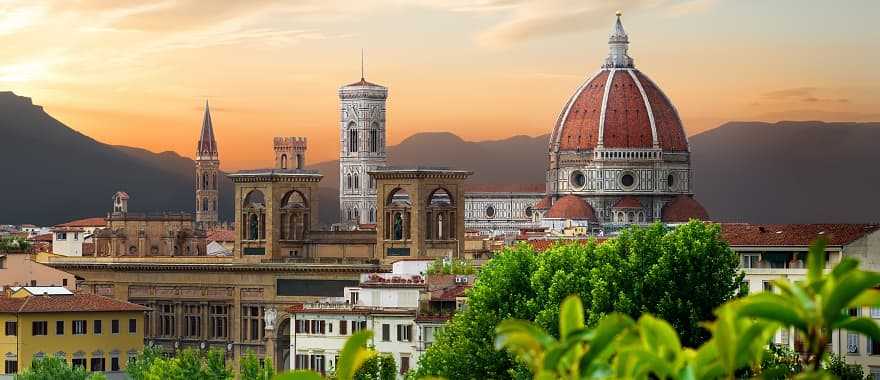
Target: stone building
[(207, 170), (361, 149)]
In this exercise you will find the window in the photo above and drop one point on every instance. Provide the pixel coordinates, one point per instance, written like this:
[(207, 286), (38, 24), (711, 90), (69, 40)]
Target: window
[(61, 236), (11, 328), (768, 286), (33, 282), (252, 323), (749, 260), (357, 326), (357, 182), (855, 312), (218, 321), (354, 297), (97, 329), (97, 365), (192, 320), (374, 141), (79, 327), (386, 332), (64, 282), (59, 327), (352, 139), (852, 343), (114, 326), (404, 363), (578, 180), (167, 320), (875, 373), (627, 180), (875, 312), (132, 326), (343, 327), (404, 333), (114, 363), (40, 328), (490, 212), (78, 362), (11, 366)]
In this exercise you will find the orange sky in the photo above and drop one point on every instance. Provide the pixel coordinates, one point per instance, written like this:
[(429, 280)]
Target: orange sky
[(137, 73)]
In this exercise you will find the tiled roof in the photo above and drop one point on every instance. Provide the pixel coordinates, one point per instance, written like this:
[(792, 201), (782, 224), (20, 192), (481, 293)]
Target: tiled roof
[(506, 188), (571, 207), (87, 222), (449, 294), (80, 302), (43, 237), (683, 208), (541, 245), (628, 201), (221, 235), (745, 234), (544, 204)]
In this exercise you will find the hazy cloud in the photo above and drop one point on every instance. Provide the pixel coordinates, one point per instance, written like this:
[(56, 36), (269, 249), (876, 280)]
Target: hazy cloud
[(803, 94)]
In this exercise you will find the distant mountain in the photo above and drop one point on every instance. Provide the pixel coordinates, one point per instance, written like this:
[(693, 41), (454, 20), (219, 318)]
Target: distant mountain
[(53, 174), (789, 172)]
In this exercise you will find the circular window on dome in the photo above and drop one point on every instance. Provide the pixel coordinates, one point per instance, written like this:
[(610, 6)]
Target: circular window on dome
[(490, 212), (529, 212), (578, 180), (627, 180), (670, 180)]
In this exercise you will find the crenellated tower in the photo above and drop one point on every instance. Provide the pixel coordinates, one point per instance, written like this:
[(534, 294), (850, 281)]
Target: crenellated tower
[(290, 152), (207, 168), (361, 149)]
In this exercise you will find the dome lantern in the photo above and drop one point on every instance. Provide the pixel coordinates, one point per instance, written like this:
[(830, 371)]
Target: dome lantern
[(618, 44)]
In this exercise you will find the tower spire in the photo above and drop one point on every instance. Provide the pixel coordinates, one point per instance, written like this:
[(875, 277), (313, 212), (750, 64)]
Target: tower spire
[(207, 146), (618, 44), (362, 63)]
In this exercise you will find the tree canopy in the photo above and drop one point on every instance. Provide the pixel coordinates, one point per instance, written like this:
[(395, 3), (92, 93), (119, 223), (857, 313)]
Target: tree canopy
[(678, 274)]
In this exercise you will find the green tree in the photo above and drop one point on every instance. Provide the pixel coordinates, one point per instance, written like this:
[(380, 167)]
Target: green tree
[(190, 362), (837, 366), (52, 368), (377, 367), (249, 368), (215, 365), (140, 367), (678, 274)]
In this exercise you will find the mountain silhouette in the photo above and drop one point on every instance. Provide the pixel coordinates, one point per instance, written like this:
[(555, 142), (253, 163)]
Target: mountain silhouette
[(786, 172)]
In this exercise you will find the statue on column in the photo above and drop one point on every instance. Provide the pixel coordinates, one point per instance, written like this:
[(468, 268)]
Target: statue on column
[(269, 318)]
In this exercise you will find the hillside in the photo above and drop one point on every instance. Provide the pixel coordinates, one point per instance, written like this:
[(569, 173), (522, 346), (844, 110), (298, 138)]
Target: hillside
[(55, 174)]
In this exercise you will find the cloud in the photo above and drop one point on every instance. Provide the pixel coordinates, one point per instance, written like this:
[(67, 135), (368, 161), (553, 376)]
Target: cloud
[(16, 16), (803, 94)]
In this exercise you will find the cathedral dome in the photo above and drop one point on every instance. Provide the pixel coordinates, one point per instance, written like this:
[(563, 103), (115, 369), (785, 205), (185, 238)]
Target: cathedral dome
[(571, 207), (619, 107), (682, 209)]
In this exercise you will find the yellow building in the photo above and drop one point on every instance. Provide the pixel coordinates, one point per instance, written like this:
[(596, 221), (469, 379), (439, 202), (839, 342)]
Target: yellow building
[(92, 331)]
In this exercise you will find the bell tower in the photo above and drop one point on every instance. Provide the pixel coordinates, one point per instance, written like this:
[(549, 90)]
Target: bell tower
[(207, 168), (361, 149)]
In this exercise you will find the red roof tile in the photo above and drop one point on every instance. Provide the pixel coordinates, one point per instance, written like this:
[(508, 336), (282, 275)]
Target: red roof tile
[(43, 237), (745, 234), (79, 302), (571, 207), (682, 209), (221, 235), (628, 201), (449, 294), (87, 222), (544, 204)]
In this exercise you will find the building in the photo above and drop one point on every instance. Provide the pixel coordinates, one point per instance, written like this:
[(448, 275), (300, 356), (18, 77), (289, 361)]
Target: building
[(290, 152), (404, 309), (20, 268), (207, 170), (220, 242), (619, 144), (73, 238), (361, 149), (94, 332)]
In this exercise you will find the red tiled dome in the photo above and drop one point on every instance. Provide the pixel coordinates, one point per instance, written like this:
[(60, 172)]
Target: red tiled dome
[(634, 114), (571, 207), (543, 204), (682, 209)]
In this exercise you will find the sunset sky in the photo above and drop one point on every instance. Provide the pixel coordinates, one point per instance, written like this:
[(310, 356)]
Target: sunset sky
[(138, 73)]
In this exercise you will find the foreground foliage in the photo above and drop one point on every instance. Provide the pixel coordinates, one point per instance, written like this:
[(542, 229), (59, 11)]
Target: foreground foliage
[(680, 275), (620, 347), (188, 364), (52, 368)]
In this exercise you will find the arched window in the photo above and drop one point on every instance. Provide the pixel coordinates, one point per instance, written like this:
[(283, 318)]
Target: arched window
[(348, 181), (204, 180), (299, 161), (283, 161), (374, 138), (357, 184), (440, 214), (204, 204), (357, 215), (397, 215), (372, 182), (254, 216), (294, 211), (214, 181), (372, 215), (348, 212), (352, 139)]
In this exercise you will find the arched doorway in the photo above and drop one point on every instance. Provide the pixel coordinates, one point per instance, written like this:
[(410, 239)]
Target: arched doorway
[(282, 346)]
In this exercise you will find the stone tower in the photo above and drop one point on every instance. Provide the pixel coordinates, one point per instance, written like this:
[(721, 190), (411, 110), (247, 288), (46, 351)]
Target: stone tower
[(290, 152), (361, 149), (207, 167)]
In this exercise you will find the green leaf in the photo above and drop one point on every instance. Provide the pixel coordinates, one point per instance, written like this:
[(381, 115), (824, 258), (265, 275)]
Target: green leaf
[(571, 316), (353, 355), (299, 375), (864, 326), (847, 288), (608, 329), (870, 297), (772, 307), (816, 260)]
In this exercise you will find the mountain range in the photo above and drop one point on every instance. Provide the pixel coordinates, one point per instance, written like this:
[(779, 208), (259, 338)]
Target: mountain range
[(785, 172)]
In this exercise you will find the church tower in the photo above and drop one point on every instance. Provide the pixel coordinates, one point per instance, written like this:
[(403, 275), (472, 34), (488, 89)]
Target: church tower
[(361, 149), (207, 166)]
